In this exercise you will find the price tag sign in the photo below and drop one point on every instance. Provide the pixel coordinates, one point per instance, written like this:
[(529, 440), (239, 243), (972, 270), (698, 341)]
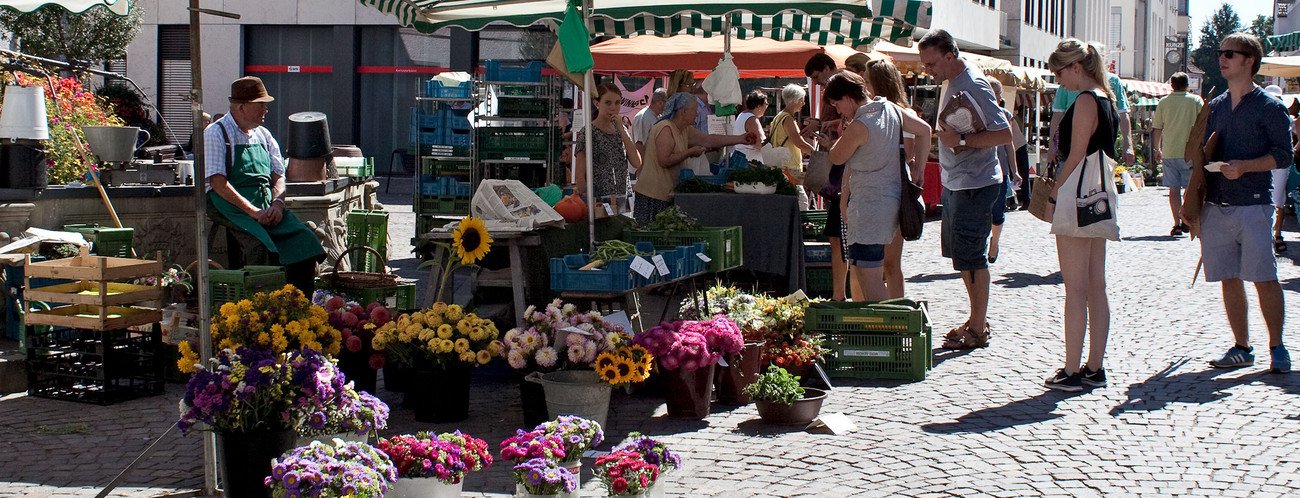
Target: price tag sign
[(642, 267), (703, 258), (608, 210), (576, 330), (661, 264)]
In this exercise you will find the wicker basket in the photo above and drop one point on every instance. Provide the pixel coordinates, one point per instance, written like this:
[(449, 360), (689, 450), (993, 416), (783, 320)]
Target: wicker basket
[(359, 279)]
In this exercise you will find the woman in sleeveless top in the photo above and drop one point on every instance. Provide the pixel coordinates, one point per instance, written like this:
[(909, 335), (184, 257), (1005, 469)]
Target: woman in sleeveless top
[(884, 81), (872, 186), (1088, 126), (748, 122), (613, 148), (785, 132)]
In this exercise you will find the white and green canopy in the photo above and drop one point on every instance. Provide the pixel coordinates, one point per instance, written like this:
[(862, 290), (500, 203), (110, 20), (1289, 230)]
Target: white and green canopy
[(118, 7), (1282, 43), (824, 22)]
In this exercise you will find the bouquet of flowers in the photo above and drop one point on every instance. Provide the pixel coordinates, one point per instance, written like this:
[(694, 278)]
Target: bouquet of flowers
[(441, 335), (625, 365), (541, 476), (526, 445), (351, 411), (691, 344), (793, 351), (653, 451), (543, 343), (277, 321), (447, 457), (356, 324), (345, 469), (247, 389), (577, 434), (746, 310), (625, 472)]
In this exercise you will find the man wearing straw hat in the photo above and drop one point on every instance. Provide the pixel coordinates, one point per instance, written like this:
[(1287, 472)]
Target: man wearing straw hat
[(246, 186)]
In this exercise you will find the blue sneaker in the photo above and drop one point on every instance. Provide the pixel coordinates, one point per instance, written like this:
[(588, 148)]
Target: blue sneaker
[(1281, 359), (1234, 358)]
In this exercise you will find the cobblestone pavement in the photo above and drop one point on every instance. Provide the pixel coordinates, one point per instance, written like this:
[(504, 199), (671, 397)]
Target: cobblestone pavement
[(980, 424)]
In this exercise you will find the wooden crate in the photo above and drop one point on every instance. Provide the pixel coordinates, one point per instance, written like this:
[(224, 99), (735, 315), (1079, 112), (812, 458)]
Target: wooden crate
[(94, 268), (95, 293), (88, 317)]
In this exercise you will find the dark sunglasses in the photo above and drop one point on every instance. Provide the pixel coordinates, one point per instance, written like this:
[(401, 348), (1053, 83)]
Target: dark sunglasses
[(1229, 53)]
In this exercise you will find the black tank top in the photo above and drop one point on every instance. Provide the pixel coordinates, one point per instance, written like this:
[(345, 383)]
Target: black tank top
[(1103, 138)]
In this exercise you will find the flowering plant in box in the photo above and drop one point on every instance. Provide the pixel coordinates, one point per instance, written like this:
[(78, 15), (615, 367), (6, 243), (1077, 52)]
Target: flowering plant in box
[(536, 443), (68, 106), (355, 470), (356, 324), (625, 472), (652, 451), (248, 389), (747, 310), (277, 321), (793, 351), (625, 365), (577, 434), (541, 476), (442, 335), (353, 411), (543, 344), (691, 344), (448, 457)]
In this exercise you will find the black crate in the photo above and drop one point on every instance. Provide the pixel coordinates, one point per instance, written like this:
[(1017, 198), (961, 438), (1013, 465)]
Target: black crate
[(92, 366)]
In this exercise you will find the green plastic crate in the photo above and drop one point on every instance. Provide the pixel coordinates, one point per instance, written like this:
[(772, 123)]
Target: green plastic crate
[(523, 108), (434, 167), (818, 282), (520, 142), (878, 356), (104, 241), (229, 286), (865, 317), (366, 169), (441, 204), (725, 244), (370, 229)]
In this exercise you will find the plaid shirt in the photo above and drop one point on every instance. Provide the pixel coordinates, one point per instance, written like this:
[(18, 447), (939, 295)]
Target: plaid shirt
[(214, 146)]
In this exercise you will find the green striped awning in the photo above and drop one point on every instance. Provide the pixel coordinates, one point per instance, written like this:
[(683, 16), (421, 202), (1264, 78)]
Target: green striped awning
[(824, 21), (1282, 43), (119, 7)]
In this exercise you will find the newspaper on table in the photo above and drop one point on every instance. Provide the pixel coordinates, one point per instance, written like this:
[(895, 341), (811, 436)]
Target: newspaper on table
[(962, 115), (510, 202)]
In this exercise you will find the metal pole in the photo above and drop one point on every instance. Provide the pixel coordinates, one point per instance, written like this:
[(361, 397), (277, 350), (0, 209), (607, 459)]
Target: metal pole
[(590, 155), (201, 232)]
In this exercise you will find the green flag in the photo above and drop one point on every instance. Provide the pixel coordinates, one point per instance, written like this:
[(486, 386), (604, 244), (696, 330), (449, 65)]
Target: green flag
[(575, 41)]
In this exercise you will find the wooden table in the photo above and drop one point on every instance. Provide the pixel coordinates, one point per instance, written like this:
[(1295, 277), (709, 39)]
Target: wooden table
[(610, 297), (517, 281)]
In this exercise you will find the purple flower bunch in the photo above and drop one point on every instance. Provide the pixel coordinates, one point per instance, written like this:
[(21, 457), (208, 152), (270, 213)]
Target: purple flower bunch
[(525, 445), (343, 469), (678, 345), (352, 411), (242, 390), (543, 476), (577, 434), (653, 451)]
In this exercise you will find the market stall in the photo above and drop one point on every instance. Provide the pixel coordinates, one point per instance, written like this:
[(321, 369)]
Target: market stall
[(655, 56)]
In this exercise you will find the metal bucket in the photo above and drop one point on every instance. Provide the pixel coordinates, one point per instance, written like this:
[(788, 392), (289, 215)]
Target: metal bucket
[(309, 135), (575, 392), (113, 144)]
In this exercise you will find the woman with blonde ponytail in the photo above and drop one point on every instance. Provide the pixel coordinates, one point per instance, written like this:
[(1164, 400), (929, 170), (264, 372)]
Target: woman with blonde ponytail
[(1089, 126)]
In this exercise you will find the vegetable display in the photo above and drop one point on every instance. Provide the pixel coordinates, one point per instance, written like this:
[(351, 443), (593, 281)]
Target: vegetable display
[(673, 219)]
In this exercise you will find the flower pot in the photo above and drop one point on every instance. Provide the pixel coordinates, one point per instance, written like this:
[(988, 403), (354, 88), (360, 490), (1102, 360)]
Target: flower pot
[(356, 368), (689, 392), (657, 489), (800, 413), (574, 467), (741, 370), (440, 396), (575, 392), (532, 399), (245, 460), (396, 379), (423, 487)]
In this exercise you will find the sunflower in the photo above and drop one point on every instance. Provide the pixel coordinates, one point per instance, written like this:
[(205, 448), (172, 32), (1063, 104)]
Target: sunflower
[(471, 240), (605, 360), (625, 370), (609, 374)]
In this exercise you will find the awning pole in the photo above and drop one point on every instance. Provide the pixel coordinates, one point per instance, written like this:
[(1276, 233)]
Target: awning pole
[(201, 234), (591, 154)]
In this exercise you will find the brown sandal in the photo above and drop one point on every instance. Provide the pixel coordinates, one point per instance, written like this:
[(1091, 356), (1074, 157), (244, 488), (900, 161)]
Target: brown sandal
[(962, 337)]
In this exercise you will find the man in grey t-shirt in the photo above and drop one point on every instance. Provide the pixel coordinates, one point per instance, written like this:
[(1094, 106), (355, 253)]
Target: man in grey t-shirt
[(971, 180)]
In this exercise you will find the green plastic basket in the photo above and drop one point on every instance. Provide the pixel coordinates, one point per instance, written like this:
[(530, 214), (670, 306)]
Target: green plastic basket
[(878, 356), (230, 286), (882, 317), (365, 169), (370, 229), (725, 244), (104, 241), (400, 297)]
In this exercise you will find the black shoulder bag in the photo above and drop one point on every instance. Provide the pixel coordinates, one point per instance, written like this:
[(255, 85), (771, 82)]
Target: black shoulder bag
[(911, 211)]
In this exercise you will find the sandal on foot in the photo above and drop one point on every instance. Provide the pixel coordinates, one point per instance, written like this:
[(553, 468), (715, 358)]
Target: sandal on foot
[(1279, 245), (964, 338)]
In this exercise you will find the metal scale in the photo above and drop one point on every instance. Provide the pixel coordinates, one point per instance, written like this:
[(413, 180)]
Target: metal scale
[(115, 148)]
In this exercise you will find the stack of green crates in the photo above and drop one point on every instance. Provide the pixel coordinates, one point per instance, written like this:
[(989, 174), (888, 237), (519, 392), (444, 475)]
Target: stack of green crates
[(885, 340), (725, 245), (369, 229), (230, 286), (105, 241)]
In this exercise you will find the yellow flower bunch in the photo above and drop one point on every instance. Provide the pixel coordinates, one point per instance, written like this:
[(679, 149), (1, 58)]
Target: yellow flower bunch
[(278, 321), (625, 365), (440, 335)]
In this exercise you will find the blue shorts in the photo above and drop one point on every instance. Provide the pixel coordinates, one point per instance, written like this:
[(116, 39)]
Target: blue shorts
[(1237, 242), (1175, 173), (999, 212), (967, 222), (867, 255)]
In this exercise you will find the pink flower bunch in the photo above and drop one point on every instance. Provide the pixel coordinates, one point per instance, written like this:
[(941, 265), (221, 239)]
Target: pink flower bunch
[(543, 344), (526, 445), (447, 457), (623, 471), (723, 335), (357, 323), (678, 345)]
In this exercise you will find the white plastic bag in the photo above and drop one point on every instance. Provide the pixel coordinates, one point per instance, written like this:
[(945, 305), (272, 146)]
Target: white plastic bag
[(511, 201), (723, 84), (775, 157)]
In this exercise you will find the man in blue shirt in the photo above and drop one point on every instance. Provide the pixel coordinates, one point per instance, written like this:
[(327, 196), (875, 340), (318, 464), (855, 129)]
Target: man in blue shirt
[(1237, 219)]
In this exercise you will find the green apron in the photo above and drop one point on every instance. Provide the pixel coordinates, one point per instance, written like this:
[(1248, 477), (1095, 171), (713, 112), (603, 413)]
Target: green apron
[(249, 173)]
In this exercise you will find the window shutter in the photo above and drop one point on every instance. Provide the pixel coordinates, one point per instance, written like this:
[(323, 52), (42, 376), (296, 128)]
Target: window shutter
[(175, 82)]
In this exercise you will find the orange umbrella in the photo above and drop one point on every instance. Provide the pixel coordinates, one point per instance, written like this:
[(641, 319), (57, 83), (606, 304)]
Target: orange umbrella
[(758, 57)]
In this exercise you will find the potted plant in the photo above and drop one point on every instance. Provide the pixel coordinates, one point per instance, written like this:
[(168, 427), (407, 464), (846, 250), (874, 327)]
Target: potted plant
[(556, 359), (687, 352), (357, 325), (625, 473), (781, 400), (442, 344), (429, 466), (349, 415), (277, 321), (577, 435), (543, 478), (340, 469), (653, 452)]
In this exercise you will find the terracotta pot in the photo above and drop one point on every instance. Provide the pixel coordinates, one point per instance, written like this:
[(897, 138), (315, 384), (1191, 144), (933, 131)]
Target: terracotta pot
[(306, 170), (742, 370), (689, 392), (801, 412)]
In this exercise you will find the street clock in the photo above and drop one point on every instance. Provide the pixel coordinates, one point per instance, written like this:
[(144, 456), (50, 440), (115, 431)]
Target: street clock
[(1174, 56)]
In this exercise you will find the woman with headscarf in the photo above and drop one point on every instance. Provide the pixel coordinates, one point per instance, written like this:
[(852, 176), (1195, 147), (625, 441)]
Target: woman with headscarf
[(673, 139), (872, 186)]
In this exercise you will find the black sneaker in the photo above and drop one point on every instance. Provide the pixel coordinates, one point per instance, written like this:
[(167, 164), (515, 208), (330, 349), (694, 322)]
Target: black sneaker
[(1094, 379), (1063, 381)]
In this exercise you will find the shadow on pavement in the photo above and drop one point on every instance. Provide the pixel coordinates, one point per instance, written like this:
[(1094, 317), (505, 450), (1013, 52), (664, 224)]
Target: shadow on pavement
[(933, 277), (757, 428), (1016, 280), (1201, 386), (1292, 285), (1152, 238), (941, 355), (1031, 410)]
